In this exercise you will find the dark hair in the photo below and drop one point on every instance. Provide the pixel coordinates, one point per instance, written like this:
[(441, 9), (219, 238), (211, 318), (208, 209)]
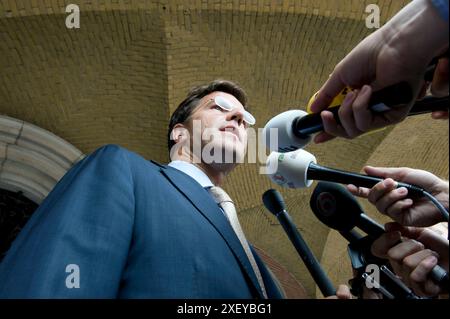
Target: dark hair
[(194, 96)]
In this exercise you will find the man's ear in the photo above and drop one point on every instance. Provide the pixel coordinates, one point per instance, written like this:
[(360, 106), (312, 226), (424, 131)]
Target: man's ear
[(179, 133)]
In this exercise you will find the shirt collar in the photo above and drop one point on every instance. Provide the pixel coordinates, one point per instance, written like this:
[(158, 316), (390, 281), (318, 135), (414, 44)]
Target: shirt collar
[(193, 171)]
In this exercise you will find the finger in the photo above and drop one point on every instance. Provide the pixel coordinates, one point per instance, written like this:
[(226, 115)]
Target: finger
[(323, 137), (391, 198), (370, 294), (380, 189), (362, 113), (393, 116), (346, 115), (393, 226), (420, 277), (418, 177), (358, 191), (329, 90), (382, 244), (411, 262), (431, 289), (330, 125), (396, 173), (405, 248), (421, 268), (399, 211), (440, 115), (343, 292), (406, 231)]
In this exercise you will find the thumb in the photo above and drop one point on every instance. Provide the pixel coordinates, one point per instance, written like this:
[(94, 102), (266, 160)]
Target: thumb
[(396, 173), (406, 231)]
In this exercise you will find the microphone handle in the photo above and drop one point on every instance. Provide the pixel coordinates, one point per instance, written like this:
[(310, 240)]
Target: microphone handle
[(374, 230), (380, 101), (371, 227), (316, 271), (321, 173), (430, 104), (438, 274)]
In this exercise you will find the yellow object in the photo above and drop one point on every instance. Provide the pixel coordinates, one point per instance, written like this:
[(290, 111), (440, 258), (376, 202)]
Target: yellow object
[(337, 101)]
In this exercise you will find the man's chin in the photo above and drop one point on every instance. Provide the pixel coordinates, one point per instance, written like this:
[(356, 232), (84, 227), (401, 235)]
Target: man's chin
[(223, 156), (224, 151)]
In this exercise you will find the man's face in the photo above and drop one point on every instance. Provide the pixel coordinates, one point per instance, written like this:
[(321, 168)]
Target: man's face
[(223, 133)]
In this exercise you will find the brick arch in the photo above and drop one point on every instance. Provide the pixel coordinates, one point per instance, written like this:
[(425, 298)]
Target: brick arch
[(32, 159)]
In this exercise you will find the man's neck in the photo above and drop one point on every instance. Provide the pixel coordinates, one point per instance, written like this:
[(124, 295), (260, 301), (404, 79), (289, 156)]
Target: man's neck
[(215, 172)]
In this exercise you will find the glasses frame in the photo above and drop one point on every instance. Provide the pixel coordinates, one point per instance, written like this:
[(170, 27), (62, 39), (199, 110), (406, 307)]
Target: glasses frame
[(225, 105)]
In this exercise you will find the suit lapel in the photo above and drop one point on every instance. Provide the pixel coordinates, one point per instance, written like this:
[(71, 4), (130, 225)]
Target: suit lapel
[(211, 211)]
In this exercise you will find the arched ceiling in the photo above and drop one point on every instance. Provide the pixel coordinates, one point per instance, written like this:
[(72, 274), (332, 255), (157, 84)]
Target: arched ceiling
[(118, 78)]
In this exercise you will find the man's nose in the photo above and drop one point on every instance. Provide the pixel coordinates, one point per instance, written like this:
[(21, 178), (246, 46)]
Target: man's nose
[(236, 114)]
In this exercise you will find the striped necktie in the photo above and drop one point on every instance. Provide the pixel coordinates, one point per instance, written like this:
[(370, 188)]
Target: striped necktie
[(225, 202)]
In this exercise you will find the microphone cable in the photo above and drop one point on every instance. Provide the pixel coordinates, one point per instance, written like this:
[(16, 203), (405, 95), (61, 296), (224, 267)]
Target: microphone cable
[(439, 206)]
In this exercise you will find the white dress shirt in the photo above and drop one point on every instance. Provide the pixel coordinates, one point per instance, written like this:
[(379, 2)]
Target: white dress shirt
[(193, 171)]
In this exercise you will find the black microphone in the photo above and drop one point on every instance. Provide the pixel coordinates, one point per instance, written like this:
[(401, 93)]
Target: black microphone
[(274, 202), (293, 129), (299, 168), (304, 126), (337, 208)]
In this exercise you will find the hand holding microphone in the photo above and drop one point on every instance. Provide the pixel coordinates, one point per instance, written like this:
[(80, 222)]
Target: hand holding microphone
[(335, 206), (293, 129), (414, 254), (299, 168), (393, 201)]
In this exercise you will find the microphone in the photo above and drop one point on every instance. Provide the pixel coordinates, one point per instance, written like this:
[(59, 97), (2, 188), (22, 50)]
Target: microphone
[(295, 127), (299, 168), (274, 202), (337, 208), (330, 200)]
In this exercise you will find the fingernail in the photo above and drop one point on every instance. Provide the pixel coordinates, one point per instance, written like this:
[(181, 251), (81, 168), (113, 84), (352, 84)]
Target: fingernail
[(388, 182), (394, 235), (432, 259), (364, 89), (348, 98), (402, 191), (388, 227)]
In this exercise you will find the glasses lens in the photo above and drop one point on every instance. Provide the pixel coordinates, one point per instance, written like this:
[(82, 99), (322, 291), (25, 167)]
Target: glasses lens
[(249, 118), (223, 103), (227, 106)]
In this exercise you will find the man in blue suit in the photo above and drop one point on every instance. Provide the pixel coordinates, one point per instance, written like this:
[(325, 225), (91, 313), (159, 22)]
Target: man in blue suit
[(119, 226)]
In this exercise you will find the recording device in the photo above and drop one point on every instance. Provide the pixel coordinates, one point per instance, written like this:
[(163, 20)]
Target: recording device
[(294, 128), (274, 202), (299, 168), (337, 208)]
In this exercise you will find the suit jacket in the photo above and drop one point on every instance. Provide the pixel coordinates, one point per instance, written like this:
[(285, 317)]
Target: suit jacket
[(134, 229)]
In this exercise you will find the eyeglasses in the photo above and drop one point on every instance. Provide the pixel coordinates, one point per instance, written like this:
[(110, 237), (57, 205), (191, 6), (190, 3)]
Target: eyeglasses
[(226, 105)]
